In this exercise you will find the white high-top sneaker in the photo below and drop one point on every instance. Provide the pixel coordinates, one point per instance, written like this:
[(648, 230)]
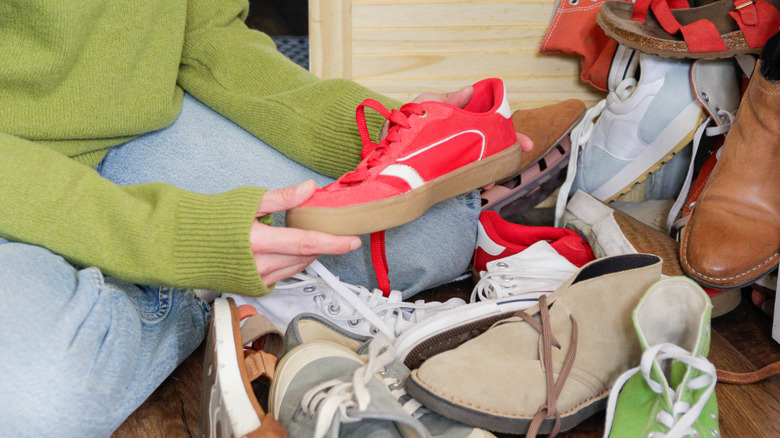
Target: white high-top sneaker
[(356, 309), (510, 284)]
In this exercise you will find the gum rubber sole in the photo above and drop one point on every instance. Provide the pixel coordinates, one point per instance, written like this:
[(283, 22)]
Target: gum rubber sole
[(655, 167), (401, 209), (497, 423)]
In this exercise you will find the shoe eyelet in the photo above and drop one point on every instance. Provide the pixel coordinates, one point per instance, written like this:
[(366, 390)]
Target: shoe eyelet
[(319, 296), (573, 2), (502, 264), (373, 330), (713, 416), (334, 309), (394, 382), (310, 288), (383, 370), (353, 323), (714, 432), (705, 97), (424, 114)]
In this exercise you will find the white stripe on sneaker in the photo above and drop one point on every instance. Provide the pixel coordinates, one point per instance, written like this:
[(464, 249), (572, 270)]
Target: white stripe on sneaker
[(474, 131), (404, 172)]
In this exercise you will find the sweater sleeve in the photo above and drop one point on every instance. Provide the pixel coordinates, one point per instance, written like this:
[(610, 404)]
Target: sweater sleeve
[(239, 73), (147, 234)]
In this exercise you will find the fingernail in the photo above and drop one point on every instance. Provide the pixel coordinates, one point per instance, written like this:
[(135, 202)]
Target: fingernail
[(355, 244)]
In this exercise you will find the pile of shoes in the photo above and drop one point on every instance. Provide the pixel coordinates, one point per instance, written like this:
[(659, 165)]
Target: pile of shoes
[(544, 342), (599, 310), (542, 346), (675, 58)]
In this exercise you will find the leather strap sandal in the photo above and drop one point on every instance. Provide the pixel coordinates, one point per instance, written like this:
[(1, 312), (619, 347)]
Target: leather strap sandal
[(718, 30)]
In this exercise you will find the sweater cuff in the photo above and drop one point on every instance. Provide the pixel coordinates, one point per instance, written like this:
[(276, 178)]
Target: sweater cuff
[(211, 248)]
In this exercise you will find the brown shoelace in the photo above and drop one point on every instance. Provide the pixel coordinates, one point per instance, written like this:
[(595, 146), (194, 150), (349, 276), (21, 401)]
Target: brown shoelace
[(554, 387)]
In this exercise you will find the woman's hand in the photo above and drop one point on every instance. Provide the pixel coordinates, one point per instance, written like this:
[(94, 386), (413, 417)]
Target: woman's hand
[(281, 252)]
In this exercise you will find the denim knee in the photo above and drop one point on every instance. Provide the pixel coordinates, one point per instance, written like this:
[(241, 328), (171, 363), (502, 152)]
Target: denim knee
[(81, 352)]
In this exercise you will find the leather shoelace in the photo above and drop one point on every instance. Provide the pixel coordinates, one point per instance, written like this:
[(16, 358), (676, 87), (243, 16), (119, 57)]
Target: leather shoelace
[(554, 387)]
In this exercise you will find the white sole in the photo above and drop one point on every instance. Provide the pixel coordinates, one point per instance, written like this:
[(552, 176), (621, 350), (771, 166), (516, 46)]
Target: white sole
[(229, 412)]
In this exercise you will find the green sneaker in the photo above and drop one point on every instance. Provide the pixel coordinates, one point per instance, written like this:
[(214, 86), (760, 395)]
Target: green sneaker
[(672, 392)]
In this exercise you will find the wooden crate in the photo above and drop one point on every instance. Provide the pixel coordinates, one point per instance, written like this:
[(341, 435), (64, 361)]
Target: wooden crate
[(404, 47)]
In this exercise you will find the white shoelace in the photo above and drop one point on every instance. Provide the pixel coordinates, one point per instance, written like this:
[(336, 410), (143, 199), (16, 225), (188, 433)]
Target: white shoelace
[(387, 315), (681, 419), (581, 134), (338, 397), (509, 282), (709, 131), (533, 272)]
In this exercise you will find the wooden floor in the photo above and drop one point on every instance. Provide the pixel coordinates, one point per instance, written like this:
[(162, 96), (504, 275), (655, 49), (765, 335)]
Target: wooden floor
[(741, 341)]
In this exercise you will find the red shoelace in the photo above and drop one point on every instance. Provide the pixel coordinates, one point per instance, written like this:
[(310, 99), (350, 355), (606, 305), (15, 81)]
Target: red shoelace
[(373, 153)]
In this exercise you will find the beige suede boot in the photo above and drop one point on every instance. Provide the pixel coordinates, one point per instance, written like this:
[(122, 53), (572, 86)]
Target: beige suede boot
[(548, 368)]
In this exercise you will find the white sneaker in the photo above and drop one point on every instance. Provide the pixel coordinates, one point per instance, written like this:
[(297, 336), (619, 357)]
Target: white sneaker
[(510, 284), (650, 114), (356, 309)]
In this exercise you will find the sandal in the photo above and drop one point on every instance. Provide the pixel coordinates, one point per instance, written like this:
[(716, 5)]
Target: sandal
[(718, 30), (548, 127)]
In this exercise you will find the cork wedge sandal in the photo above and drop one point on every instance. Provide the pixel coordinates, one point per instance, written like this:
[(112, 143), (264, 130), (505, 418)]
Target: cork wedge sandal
[(718, 30)]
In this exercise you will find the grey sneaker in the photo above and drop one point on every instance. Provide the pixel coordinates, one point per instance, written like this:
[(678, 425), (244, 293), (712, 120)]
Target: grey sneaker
[(310, 328), (325, 389)]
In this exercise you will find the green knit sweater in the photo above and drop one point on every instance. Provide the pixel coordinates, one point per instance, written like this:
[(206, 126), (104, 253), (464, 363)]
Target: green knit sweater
[(80, 76)]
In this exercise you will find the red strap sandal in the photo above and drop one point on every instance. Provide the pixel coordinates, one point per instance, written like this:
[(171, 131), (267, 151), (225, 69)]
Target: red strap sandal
[(718, 30)]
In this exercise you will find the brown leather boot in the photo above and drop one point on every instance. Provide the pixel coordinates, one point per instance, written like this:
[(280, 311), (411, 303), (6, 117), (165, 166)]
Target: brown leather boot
[(733, 234)]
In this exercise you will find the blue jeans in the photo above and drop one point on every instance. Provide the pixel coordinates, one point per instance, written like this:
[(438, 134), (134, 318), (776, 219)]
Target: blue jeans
[(80, 351)]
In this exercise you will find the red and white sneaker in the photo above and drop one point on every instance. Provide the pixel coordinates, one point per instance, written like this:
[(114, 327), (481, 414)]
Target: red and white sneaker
[(498, 238), (433, 151)]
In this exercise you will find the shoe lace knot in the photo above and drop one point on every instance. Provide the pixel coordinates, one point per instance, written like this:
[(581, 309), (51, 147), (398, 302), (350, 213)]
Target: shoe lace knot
[(682, 415), (554, 387), (337, 398), (373, 153)]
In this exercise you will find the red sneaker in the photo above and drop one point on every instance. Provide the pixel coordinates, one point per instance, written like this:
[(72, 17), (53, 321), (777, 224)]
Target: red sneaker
[(432, 151), (498, 238)]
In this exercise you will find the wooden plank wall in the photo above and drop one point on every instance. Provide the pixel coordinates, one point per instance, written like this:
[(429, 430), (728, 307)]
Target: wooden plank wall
[(404, 47)]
